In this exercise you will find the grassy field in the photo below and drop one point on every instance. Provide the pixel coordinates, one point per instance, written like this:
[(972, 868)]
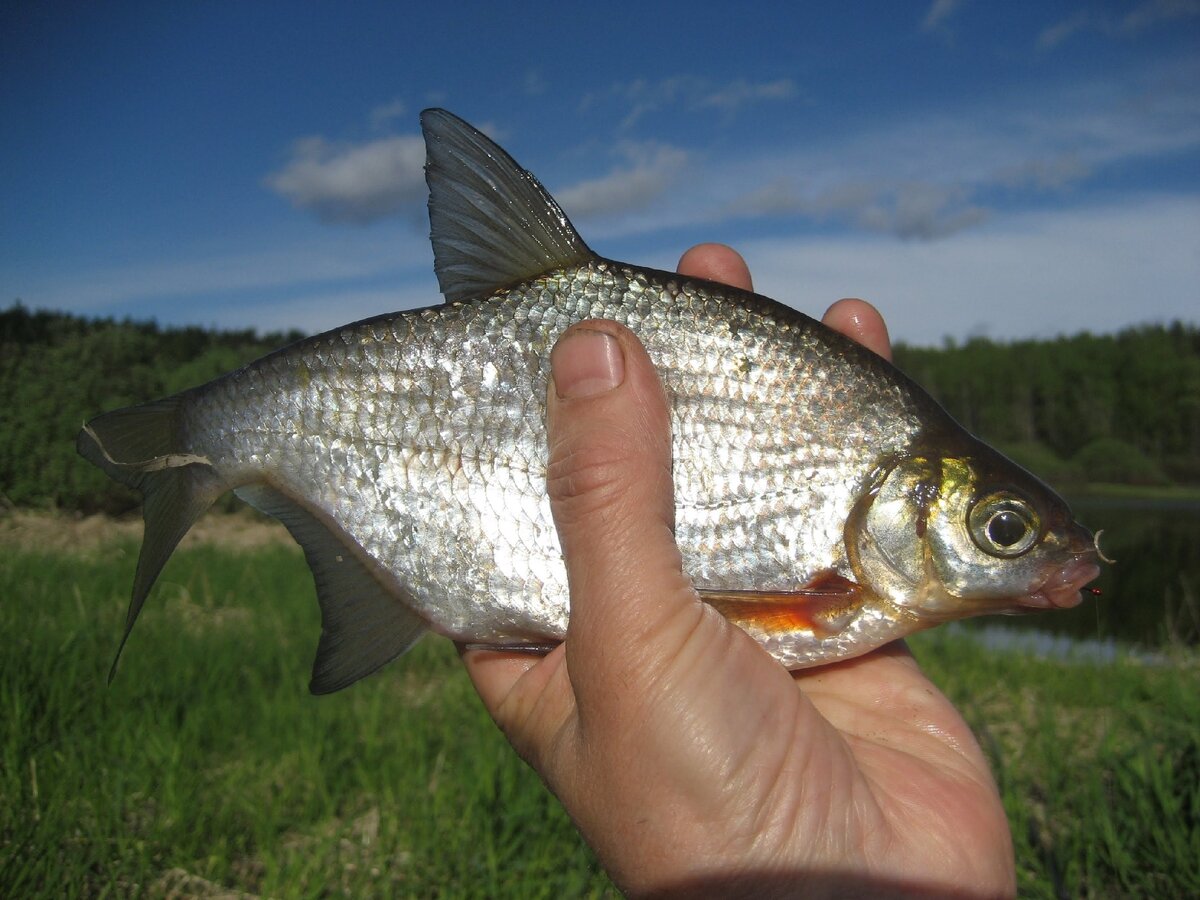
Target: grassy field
[(207, 769)]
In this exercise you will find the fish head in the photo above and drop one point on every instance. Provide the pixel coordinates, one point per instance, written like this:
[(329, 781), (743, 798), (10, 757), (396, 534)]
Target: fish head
[(950, 534)]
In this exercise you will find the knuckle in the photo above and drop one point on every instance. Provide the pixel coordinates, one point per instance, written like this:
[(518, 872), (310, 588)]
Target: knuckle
[(584, 478)]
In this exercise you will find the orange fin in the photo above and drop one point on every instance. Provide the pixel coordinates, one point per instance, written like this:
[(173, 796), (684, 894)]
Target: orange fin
[(824, 606)]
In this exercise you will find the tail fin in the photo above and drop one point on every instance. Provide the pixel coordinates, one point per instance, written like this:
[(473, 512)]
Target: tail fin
[(140, 447)]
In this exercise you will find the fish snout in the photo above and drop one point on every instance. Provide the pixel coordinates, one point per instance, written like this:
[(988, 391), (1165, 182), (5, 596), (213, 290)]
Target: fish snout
[(1061, 590), (1062, 586)]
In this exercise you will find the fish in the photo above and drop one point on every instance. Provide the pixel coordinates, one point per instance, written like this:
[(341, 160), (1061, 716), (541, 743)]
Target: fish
[(825, 503)]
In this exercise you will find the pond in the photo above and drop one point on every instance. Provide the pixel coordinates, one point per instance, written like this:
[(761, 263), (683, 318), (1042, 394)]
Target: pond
[(1149, 599)]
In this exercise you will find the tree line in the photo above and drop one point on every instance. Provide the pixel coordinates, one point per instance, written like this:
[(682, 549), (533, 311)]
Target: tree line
[(59, 370), (1115, 408), (1120, 407)]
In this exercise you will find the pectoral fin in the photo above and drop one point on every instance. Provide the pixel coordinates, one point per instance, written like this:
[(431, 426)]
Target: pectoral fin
[(824, 606), (366, 621)]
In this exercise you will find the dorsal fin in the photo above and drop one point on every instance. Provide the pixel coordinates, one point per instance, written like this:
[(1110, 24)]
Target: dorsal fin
[(492, 223)]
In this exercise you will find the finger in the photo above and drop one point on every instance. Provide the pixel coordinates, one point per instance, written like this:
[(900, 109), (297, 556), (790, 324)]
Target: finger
[(527, 695), (860, 321), (497, 674), (716, 262), (611, 493)]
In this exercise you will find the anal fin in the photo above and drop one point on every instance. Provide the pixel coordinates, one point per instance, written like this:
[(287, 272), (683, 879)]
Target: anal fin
[(823, 606), (365, 622)]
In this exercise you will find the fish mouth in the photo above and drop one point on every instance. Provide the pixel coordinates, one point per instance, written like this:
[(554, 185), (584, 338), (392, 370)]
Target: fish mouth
[(1061, 590)]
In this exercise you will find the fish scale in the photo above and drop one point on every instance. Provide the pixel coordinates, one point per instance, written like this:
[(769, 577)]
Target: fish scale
[(478, 463), (407, 453)]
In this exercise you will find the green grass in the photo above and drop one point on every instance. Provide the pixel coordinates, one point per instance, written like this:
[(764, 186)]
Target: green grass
[(1098, 765), (208, 764), (208, 767)]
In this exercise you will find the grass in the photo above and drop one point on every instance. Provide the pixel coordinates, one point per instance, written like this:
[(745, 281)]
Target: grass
[(207, 768), (1098, 765)]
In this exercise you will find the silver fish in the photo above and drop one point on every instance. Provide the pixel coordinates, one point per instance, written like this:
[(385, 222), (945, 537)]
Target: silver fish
[(824, 501)]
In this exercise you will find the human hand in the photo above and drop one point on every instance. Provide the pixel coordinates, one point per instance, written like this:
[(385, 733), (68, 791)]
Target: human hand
[(690, 760)]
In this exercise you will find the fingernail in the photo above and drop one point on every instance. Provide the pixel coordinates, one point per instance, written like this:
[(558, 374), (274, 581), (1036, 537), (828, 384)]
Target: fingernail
[(585, 363)]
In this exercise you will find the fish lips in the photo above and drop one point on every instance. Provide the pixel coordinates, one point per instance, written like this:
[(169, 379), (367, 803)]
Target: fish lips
[(1062, 587)]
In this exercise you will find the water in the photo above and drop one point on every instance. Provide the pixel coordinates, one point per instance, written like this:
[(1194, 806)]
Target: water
[(1149, 599)]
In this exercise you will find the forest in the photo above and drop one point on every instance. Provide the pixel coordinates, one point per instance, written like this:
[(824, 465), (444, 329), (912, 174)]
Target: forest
[(1121, 408)]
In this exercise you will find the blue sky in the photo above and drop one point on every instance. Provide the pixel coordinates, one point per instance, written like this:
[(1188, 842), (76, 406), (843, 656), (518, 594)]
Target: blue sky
[(1010, 170)]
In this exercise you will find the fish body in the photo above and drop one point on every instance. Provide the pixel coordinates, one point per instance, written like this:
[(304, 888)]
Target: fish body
[(824, 501)]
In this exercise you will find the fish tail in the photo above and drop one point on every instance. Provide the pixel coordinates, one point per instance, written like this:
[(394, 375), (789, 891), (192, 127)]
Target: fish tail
[(140, 446)]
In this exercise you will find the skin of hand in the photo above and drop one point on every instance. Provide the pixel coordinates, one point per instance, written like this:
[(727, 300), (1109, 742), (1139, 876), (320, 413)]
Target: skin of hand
[(689, 759)]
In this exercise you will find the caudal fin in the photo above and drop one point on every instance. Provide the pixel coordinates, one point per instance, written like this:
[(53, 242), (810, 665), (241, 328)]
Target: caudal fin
[(140, 446)]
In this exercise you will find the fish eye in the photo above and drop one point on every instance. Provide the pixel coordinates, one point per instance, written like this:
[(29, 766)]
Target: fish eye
[(1003, 525), (1006, 528)]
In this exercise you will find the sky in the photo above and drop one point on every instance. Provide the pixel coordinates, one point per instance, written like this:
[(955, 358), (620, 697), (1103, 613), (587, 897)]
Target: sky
[(1012, 170)]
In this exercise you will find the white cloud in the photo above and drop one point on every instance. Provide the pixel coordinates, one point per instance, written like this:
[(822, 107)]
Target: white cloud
[(1151, 12), (356, 183), (1032, 275), (383, 115), (938, 14), (653, 167), (1053, 173), (325, 310), (535, 83), (929, 176), (1059, 32), (737, 94), (647, 97), (689, 92), (920, 210), (1145, 15), (197, 281)]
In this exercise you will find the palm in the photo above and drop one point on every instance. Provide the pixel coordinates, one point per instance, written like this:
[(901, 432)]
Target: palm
[(865, 773), (931, 792)]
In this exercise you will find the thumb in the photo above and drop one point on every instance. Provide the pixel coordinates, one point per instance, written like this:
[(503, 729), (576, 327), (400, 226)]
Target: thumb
[(609, 480)]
